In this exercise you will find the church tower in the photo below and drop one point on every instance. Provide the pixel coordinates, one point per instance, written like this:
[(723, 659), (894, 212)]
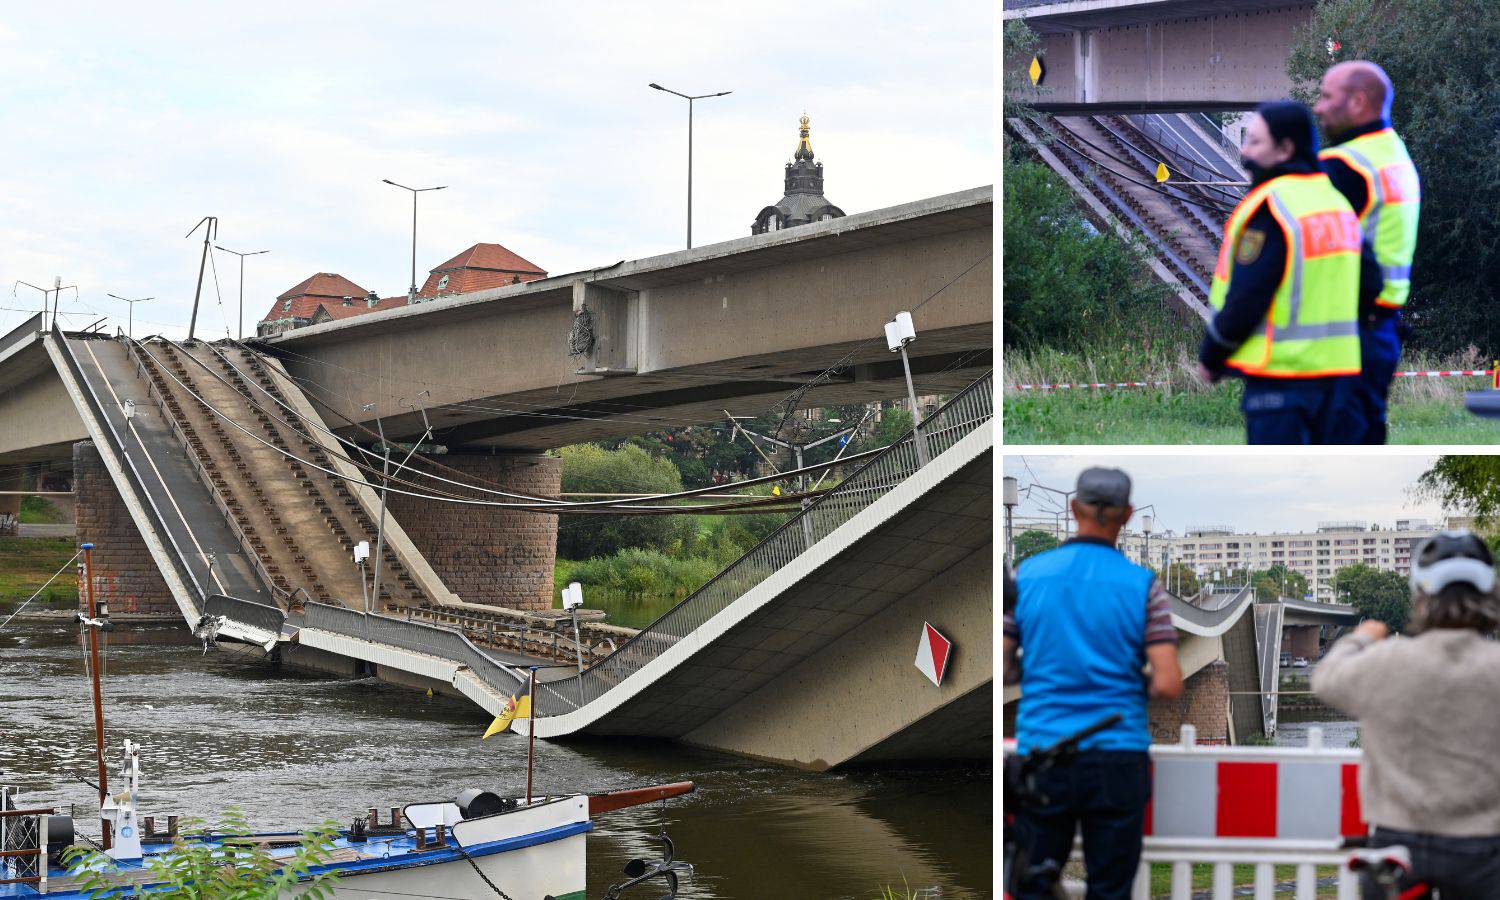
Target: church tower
[(803, 201)]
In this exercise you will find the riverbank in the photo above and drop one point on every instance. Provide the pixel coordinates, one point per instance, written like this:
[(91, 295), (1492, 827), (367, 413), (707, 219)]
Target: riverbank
[(25, 565)]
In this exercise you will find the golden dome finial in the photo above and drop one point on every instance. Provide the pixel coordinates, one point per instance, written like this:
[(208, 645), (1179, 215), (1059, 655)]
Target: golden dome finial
[(804, 144)]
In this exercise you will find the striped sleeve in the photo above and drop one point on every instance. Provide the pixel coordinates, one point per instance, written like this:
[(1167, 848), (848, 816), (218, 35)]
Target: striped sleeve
[(1010, 594), (1159, 628)]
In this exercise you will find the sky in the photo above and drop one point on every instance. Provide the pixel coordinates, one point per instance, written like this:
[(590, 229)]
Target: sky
[(126, 124), (1248, 493)]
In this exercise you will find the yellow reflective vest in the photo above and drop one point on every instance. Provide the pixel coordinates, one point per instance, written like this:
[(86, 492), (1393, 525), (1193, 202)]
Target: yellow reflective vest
[(1390, 214), (1312, 327)]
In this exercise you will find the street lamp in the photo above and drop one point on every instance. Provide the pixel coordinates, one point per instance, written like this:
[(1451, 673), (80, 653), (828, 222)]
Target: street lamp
[(690, 100), (1010, 498), (898, 333), (130, 317), (411, 294), (240, 334)]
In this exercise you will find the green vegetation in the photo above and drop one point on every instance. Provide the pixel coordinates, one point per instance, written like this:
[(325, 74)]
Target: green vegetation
[(589, 467), (1469, 483), (1376, 593), (40, 511), (237, 866), (1278, 581), (1030, 543), (1440, 55), (27, 563)]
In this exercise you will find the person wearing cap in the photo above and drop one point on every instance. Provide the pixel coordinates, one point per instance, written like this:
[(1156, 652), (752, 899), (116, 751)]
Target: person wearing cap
[(1369, 165), (1085, 623), (1425, 702), (1287, 289)]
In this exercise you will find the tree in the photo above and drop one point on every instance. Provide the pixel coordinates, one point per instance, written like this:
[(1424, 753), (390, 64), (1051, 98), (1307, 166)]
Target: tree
[(1469, 483), (1376, 593), (591, 468), (1441, 56), (1276, 582), (1180, 579), (894, 423), (1030, 543)]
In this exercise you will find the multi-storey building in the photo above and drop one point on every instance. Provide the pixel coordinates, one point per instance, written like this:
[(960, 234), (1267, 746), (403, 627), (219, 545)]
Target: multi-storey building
[(1219, 552)]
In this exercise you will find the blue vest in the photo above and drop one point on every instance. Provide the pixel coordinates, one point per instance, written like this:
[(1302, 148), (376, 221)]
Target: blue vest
[(1082, 613)]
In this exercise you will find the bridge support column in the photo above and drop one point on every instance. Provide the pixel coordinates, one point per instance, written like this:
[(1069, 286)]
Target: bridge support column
[(1301, 640), (486, 554), (125, 574), (1204, 704)]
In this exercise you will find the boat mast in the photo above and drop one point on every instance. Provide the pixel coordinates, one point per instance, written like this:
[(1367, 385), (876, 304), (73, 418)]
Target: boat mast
[(92, 625), (531, 729)]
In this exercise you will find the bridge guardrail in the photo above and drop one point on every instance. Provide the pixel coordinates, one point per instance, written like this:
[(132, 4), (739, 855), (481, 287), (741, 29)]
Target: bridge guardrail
[(96, 407), (433, 640), (970, 409), (246, 612)]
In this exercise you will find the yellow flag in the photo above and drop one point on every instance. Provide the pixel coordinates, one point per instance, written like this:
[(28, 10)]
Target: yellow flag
[(1161, 173), (776, 491), (513, 711)]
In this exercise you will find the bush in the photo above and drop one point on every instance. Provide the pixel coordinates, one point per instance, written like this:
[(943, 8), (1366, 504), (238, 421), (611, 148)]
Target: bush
[(589, 467), (235, 866)]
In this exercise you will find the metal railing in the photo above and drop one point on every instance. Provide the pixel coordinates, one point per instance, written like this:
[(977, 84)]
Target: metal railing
[(132, 474), (433, 640), (969, 410), (246, 612)]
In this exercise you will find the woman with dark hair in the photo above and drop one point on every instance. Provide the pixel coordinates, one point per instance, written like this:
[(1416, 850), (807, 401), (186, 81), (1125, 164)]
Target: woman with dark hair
[(1291, 278), (1427, 707)]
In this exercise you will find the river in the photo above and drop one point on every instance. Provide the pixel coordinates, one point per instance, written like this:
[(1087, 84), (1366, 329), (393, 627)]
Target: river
[(221, 730)]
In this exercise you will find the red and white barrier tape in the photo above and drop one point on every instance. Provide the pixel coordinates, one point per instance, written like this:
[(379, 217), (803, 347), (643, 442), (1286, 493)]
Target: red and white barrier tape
[(1451, 373)]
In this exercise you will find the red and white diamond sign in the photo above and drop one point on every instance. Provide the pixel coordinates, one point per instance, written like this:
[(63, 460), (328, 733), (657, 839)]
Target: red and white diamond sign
[(933, 653)]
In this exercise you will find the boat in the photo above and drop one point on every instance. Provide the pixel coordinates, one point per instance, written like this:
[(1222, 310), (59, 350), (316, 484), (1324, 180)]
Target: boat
[(476, 845)]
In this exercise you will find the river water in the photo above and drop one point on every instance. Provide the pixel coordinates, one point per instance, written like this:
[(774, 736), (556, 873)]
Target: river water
[(221, 730)]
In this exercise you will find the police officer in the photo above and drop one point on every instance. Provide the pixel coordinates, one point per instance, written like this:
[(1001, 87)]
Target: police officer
[(1369, 165), (1287, 289), (1087, 620)]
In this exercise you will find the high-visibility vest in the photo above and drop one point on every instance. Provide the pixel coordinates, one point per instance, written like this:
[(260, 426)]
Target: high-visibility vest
[(1312, 327), (1390, 214)]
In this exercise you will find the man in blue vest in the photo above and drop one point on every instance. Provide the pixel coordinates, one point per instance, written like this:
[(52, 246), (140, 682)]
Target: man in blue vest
[(1085, 624)]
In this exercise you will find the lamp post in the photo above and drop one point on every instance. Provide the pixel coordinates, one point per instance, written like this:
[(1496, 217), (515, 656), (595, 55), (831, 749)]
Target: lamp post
[(240, 333), (411, 294), (689, 98), (1010, 497), (130, 316), (898, 333)]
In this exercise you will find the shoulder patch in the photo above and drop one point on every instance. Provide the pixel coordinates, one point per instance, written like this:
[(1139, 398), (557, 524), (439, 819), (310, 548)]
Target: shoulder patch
[(1251, 242)]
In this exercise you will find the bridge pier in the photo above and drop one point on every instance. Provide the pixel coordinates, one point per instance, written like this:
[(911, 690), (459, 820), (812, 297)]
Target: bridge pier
[(488, 554), (1204, 704), (10, 504), (1301, 640), (125, 574)]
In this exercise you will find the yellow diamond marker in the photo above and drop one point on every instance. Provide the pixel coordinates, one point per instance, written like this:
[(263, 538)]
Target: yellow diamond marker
[(1161, 173), (1036, 71)]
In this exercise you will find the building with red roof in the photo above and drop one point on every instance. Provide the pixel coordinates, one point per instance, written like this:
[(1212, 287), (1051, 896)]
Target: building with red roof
[(328, 296)]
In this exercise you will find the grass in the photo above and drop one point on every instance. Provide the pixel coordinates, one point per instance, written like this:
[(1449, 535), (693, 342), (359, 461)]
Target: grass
[(1185, 411), (40, 511), (27, 563)]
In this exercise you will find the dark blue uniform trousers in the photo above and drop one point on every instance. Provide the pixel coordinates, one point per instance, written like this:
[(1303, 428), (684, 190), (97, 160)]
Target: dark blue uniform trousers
[(1302, 410), (1380, 352)]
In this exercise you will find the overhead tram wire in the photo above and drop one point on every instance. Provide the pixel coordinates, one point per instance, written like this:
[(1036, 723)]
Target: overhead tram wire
[(1131, 164), (464, 485), (792, 399), (1205, 204), (1132, 145), (569, 507), (560, 505)]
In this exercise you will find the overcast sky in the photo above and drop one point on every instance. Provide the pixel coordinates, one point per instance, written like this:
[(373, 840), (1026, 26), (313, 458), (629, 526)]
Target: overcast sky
[(1248, 493), (127, 123)]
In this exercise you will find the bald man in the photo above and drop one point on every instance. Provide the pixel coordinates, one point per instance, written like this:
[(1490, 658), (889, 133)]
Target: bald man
[(1369, 165)]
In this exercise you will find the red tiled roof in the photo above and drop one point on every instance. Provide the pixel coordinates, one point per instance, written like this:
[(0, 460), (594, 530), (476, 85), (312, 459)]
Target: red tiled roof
[(337, 309), (312, 291), (490, 256)]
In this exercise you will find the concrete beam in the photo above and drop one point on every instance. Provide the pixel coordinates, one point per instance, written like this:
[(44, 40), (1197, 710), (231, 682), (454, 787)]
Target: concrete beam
[(608, 318), (38, 413), (1162, 57)]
